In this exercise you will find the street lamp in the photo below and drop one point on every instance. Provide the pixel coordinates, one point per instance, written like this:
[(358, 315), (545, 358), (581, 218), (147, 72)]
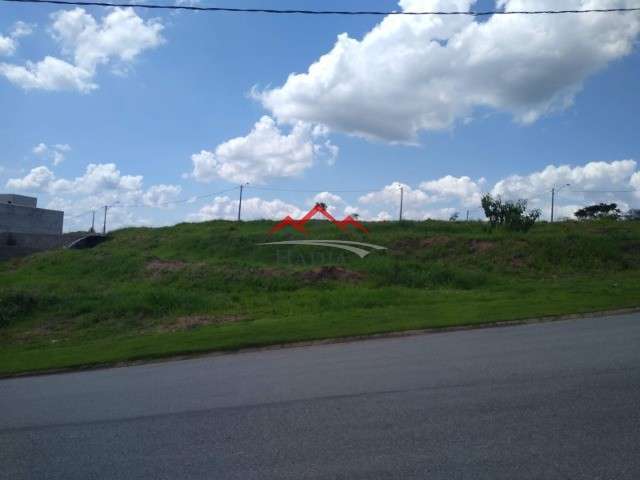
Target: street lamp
[(553, 196)]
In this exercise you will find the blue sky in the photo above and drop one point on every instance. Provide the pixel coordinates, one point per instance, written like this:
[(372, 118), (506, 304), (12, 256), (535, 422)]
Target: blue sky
[(187, 89)]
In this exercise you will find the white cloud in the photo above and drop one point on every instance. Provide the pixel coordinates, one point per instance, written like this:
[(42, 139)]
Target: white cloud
[(592, 183), (410, 74), (263, 154), (328, 198), (438, 199), (390, 195), (101, 184), (117, 39), (104, 182), (614, 175), (252, 209), (121, 35), (9, 43), (55, 153), (449, 187), (97, 178), (160, 195), (634, 182), (21, 29), (40, 149), (51, 73), (37, 180)]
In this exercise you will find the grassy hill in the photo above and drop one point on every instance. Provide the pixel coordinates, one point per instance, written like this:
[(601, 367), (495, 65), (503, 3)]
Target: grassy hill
[(209, 286)]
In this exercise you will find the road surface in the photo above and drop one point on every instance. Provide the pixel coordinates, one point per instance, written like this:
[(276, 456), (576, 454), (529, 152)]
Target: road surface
[(544, 401)]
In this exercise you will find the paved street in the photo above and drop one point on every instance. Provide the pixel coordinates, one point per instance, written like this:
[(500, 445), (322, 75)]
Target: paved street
[(545, 401)]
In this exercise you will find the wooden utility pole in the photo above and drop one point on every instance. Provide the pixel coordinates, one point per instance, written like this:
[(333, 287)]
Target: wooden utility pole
[(240, 203), (401, 201), (104, 225)]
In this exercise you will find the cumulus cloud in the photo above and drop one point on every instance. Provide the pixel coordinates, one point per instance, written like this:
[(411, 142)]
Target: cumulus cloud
[(38, 179), (161, 195), (598, 176), (464, 189), (103, 181), (97, 178), (591, 183), (99, 185), (634, 182), (9, 43), (265, 153), (252, 209), (55, 152), (411, 74), (117, 39), (51, 73), (390, 195)]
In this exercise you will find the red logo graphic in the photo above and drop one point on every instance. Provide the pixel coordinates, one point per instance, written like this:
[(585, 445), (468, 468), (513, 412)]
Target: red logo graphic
[(322, 210)]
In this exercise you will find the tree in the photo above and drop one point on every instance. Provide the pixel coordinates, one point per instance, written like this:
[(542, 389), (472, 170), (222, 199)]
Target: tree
[(509, 214), (454, 217), (321, 205), (599, 211)]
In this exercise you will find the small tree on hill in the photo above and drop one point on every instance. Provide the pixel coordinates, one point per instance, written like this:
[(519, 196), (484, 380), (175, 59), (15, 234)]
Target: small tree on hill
[(599, 211), (511, 215)]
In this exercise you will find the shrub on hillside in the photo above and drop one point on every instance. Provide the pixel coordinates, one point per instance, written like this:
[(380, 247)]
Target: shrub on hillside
[(509, 214), (13, 305)]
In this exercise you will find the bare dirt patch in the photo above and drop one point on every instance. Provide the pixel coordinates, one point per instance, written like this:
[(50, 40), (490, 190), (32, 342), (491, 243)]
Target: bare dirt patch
[(406, 244), (158, 267), (434, 241), (194, 321), (331, 273), (481, 246)]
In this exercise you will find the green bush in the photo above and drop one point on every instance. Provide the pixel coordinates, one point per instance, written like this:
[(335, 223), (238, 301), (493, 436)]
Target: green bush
[(509, 214), (14, 305)]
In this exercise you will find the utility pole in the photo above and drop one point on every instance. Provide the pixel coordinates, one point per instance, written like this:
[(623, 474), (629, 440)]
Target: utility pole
[(401, 201), (93, 221), (467, 215), (104, 225), (240, 202), (555, 190)]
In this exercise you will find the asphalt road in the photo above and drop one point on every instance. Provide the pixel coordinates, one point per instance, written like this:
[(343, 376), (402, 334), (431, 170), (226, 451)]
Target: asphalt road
[(554, 400)]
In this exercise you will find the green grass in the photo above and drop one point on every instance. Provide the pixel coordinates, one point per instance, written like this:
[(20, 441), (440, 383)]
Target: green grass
[(213, 288)]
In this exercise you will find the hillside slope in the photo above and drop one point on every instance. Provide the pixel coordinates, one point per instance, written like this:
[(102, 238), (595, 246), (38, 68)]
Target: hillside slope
[(211, 286)]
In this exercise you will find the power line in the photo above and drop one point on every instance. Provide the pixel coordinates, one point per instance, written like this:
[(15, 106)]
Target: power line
[(325, 12), (329, 190), (69, 217), (173, 202), (604, 191)]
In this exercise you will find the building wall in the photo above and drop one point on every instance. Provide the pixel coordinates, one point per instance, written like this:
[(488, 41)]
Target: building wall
[(18, 200), (19, 219), (14, 245)]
